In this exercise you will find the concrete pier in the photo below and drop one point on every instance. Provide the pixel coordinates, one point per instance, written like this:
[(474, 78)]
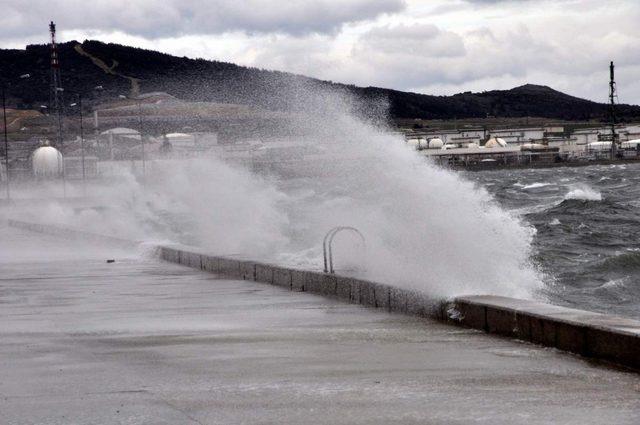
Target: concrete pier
[(143, 341), (603, 337), (598, 336)]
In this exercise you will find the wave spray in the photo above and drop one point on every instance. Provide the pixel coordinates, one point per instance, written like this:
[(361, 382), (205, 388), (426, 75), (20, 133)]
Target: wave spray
[(339, 165)]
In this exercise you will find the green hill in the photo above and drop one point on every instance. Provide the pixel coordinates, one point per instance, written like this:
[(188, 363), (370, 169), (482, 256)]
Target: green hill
[(123, 69)]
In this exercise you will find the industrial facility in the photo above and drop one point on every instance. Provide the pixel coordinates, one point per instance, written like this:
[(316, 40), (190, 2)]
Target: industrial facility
[(105, 136), (479, 147)]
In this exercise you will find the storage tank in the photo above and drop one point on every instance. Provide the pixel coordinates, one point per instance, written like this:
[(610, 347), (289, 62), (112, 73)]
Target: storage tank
[(423, 143), (122, 132), (630, 144), (413, 143), (436, 143), (496, 142), (181, 139), (599, 146), (46, 161), (532, 146)]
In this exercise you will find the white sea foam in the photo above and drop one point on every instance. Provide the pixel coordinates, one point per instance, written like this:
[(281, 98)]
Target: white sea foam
[(536, 185), (583, 192), (614, 283)]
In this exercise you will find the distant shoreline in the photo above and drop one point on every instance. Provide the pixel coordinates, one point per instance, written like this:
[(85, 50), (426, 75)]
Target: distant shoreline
[(491, 167)]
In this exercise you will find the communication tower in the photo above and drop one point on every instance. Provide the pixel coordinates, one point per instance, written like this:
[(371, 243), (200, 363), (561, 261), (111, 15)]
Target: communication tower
[(56, 91)]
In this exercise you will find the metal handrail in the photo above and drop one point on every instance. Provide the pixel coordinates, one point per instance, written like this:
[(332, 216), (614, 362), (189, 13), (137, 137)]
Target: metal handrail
[(329, 236), (324, 247)]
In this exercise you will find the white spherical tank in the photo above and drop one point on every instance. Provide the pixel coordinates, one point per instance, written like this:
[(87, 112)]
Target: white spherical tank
[(46, 162), (436, 143), (413, 143), (423, 143)]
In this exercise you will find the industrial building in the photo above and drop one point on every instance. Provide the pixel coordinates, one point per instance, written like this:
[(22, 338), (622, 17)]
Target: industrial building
[(479, 147)]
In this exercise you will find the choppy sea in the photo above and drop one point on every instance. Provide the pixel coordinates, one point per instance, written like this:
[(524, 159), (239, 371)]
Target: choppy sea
[(587, 222)]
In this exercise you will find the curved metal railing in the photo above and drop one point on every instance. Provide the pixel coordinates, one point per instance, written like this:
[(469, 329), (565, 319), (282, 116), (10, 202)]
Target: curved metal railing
[(327, 242)]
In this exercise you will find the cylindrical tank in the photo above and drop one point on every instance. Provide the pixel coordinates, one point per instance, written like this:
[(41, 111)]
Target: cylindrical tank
[(630, 144), (532, 146), (496, 142), (47, 162), (599, 146)]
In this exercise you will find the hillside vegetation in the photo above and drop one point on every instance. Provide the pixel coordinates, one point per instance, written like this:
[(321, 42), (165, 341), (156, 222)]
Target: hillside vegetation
[(124, 70)]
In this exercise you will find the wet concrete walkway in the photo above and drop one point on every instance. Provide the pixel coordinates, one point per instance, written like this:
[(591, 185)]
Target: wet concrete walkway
[(141, 341)]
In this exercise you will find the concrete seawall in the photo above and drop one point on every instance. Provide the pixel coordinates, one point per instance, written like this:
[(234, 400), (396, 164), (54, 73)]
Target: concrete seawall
[(593, 335), (348, 289)]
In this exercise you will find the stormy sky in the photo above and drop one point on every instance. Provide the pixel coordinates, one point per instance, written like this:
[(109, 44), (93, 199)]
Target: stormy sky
[(427, 46)]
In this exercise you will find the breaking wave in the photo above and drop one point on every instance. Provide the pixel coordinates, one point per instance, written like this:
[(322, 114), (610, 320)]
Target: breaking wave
[(425, 227), (583, 193)]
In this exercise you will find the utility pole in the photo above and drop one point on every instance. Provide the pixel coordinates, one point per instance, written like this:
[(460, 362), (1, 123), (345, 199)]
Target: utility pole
[(84, 189), (612, 109), (6, 142), (81, 136), (6, 136), (144, 171), (82, 145)]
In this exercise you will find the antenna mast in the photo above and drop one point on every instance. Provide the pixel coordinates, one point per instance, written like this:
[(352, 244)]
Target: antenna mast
[(55, 97), (612, 109)]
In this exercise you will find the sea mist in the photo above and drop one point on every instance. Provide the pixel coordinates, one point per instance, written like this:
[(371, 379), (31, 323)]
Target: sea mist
[(337, 163)]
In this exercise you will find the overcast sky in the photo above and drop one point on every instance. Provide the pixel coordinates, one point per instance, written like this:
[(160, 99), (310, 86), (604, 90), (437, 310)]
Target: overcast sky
[(427, 46)]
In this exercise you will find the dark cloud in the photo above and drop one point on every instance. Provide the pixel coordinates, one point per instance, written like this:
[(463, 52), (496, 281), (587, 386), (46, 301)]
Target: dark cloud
[(439, 46), (417, 39), (167, 18)]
